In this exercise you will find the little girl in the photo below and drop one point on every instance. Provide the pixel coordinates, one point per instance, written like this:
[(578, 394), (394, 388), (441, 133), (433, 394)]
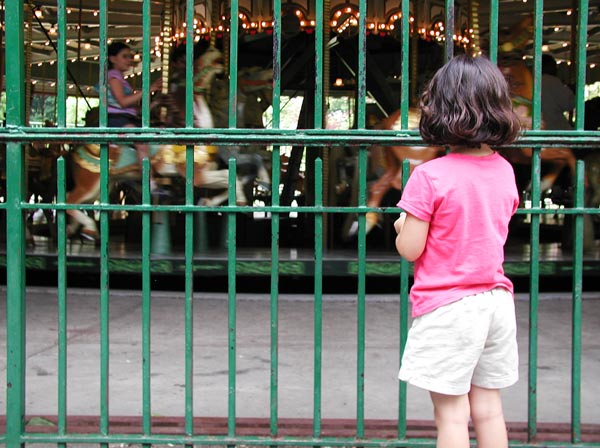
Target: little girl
[(462, 344), (123, 102)]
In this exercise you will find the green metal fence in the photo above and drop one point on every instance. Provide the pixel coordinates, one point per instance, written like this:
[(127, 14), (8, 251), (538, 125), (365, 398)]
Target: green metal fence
[(16, 135)]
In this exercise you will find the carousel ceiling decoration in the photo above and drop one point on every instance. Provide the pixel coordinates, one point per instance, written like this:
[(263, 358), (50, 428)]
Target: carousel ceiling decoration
[(125, 23)]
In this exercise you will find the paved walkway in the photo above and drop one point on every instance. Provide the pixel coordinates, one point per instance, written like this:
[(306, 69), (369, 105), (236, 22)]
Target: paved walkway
[(295, 352)]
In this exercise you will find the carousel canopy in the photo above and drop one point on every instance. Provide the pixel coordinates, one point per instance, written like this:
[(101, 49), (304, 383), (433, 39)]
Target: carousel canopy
[(167, 18)]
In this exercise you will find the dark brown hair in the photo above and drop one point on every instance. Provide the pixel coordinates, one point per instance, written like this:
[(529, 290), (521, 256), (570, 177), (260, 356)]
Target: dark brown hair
[(467, 103), (114, 49)]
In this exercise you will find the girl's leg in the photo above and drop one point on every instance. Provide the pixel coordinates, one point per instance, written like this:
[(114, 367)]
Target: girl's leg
[(451, 419), (488, 418)]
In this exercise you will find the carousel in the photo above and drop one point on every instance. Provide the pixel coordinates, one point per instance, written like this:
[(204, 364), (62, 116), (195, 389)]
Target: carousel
[(163, 34)]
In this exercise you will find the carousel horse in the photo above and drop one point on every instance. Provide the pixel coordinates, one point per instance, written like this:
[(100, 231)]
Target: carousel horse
[(392, 176), (254, 96), (166, 160), (211, 110), (520, 82)]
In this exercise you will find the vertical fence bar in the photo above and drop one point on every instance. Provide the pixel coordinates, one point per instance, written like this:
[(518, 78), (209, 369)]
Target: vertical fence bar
[(275, 221), (404, 80), (104, 295), (189, 239), (61, 103), (104, 232), (404, 309), (535, 225), (147, 31), (233, 62), (319, 49), (579, 223), (449, 30), (146, 304), (318, 219), (189, 292), (61, 100), (537, 65), (534, 260), (578, 233), (189, 74), (61, 234), (231, 286), (15, 227), (581, 67), (494, 11), (61, 64), (318, 305), (362, 235), (102, 76)]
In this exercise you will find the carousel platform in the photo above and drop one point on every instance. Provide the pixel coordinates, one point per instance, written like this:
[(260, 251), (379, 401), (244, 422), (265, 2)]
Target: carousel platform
[(253, 265)]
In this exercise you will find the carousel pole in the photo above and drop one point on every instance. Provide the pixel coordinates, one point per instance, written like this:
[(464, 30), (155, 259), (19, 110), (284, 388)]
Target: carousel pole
[(474, 22), (78, 61)]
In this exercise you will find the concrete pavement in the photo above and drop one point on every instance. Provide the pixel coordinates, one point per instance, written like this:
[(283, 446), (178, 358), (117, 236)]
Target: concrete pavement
[(253, 358)]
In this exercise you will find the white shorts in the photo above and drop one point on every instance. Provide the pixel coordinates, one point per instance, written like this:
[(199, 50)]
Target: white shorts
[(471, 341)]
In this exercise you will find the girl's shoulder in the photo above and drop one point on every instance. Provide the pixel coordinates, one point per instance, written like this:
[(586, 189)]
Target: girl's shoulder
[(114, 73)]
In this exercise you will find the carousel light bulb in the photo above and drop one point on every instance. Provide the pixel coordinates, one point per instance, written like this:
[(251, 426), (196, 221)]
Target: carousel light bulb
[(545, 48), (592, 65), (569, 12)]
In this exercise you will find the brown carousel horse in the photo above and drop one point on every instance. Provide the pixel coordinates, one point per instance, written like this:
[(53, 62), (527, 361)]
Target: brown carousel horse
[(393, 159)]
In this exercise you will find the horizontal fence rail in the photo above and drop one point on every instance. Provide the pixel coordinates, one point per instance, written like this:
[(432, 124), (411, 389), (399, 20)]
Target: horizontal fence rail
[(322, 143)]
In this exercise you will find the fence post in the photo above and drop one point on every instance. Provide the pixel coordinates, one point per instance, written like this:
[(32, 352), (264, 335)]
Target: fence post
[(15, 231)]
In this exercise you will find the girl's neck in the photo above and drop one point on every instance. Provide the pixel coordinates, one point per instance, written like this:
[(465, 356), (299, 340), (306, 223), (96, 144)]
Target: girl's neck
[(482, 151)]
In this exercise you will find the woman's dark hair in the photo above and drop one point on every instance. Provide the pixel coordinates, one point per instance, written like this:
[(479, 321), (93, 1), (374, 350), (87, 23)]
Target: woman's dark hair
[(467, 103), (114, 49)]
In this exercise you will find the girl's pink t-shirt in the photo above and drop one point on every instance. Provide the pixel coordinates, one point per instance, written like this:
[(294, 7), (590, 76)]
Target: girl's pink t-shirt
[(468, 202)]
